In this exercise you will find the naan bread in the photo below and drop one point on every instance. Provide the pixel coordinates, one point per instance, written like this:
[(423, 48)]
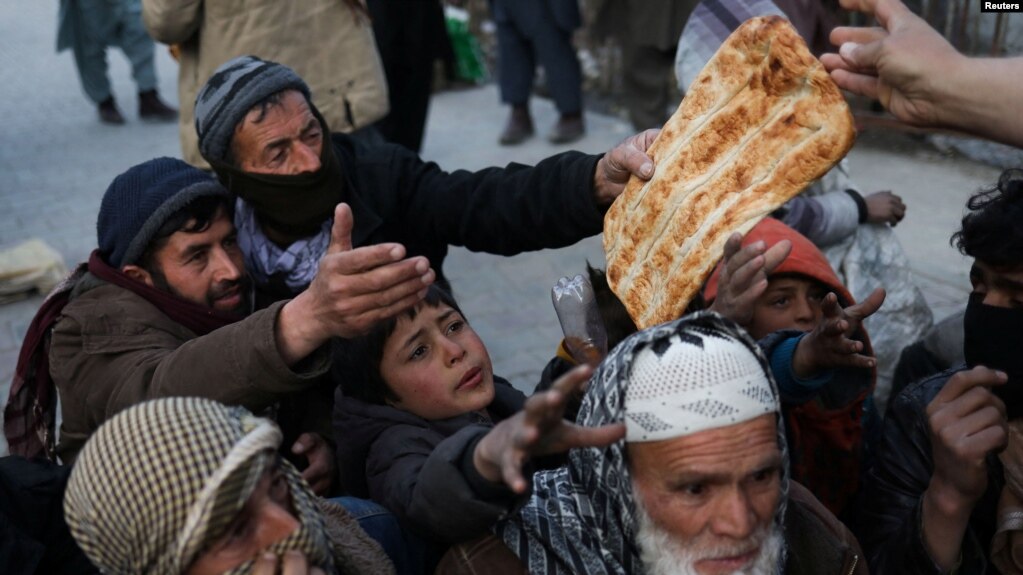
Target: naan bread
[(761, 122)]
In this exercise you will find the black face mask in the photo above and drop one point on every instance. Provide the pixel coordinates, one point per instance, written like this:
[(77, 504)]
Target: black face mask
[(294, 206), (993, 337)]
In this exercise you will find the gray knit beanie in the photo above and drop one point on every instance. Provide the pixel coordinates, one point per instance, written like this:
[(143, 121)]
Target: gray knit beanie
[(139, 201), (233, 89)]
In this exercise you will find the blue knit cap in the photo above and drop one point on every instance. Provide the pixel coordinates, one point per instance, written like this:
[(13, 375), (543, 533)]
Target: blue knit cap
[(139, 201), (233, 89)]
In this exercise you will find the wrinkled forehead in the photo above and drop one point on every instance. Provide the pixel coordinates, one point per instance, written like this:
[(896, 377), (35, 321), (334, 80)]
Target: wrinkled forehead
[(723, 454)]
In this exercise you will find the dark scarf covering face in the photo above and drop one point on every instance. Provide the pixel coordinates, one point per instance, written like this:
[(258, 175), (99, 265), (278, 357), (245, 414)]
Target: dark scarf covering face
[(294, 206), (581, 517), (991, 338)]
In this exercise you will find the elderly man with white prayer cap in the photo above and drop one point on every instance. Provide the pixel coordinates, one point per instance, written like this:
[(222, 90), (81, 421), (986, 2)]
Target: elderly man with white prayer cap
[(700, 482)]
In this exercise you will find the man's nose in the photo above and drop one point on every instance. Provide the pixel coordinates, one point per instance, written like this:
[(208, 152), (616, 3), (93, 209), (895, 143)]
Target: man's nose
[(997, 298), (304, 159), (226, 268), (735, 516), (273, 523)]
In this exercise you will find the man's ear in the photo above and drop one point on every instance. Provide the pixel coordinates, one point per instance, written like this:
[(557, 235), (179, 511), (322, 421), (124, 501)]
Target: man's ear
[(138, 274)]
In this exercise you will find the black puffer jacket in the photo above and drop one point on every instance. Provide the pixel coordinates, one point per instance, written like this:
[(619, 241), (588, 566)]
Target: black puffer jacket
[(395, 196), (422, 470), (890, 528)]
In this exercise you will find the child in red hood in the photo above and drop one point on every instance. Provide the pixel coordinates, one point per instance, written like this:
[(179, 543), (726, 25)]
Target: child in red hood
[(793, 307)]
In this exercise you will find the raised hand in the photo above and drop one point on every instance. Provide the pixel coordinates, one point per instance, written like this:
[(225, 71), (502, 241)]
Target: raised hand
[(966, 423), (829, 345), (319, 474), (539, 429), (626, 159), (743, 278), (354, 289), (896, 64), (885, 208)]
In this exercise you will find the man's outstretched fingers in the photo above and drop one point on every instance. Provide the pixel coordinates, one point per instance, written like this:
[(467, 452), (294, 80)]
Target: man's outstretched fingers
[(367, 258), (341, 230)]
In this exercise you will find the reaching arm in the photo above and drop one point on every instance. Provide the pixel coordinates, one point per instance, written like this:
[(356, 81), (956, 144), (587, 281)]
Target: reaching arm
[(921, 79)]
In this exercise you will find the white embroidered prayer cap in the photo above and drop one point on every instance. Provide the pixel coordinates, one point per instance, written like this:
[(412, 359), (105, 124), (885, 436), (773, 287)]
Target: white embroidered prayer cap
[(694, 381)]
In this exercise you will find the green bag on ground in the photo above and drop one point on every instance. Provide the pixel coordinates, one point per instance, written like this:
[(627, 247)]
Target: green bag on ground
[(469, 65)]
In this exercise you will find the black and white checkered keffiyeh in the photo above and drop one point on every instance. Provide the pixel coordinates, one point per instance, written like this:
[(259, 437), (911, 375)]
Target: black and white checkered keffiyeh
[(581, 518), (160, 481)]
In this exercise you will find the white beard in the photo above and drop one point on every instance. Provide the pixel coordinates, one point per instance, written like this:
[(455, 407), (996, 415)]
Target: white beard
[(664, 554)]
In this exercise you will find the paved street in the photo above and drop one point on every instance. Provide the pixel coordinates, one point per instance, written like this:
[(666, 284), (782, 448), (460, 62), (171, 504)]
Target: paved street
[(56, 160)]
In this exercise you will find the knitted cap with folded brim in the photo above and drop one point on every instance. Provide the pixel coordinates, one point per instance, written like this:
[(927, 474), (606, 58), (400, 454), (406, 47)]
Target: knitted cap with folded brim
[(139, 202), (233, 89), (159, 481)]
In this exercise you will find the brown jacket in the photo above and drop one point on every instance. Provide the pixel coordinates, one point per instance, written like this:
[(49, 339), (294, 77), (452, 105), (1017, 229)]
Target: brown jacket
[(112, 349), (328, 43), (817, 542)]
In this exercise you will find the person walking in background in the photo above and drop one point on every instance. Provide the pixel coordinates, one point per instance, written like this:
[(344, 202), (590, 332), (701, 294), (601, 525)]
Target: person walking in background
[(532, 31), (329, 42), (411, 36), (648, 33), (88, 27)]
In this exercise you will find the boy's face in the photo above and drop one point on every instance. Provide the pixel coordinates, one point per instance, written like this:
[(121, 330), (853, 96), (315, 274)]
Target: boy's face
[(788, 303), (437, 365)]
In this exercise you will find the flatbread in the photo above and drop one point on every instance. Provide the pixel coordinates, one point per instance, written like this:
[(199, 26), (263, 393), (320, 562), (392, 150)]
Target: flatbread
[(761, 122)]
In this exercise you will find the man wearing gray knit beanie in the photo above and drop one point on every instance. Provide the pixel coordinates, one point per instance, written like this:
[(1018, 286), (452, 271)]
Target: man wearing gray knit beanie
[(163, 309), (261, 132)]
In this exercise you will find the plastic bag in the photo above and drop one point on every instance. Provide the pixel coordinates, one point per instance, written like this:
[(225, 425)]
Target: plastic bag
[(576, 306), (468, 55)]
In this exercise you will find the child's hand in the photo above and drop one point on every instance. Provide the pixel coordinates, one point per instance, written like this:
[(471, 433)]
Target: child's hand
[(829, 344), (539, 429), (885, 208), (744, 276)]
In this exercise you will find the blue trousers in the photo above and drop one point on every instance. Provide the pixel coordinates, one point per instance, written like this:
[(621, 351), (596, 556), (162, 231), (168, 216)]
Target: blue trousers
[(529, 32), (101, 23), (410, 554)]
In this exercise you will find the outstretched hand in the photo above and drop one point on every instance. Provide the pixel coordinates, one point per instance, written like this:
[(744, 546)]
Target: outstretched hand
[(830, 344), (743, 278), (627, 159), (354, 289), (539, 429), (896, 63), (884, 207)]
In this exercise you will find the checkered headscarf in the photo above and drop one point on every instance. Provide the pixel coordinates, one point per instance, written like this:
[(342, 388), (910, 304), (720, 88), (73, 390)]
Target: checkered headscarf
[(582, 517), (160, 481)]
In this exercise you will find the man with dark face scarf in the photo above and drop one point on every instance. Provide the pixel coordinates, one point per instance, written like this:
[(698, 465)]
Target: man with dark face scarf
[(261, 133), (946, 491)]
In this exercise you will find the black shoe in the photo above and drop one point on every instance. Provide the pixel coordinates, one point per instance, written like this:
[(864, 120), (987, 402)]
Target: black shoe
[(108, 112), (152, 108), (518, 128), (569, 128)]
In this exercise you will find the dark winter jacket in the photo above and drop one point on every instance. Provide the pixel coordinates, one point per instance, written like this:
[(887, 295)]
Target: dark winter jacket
[(890, 512), (395, 196), (34, 538), (423, 470), (112, 349)]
